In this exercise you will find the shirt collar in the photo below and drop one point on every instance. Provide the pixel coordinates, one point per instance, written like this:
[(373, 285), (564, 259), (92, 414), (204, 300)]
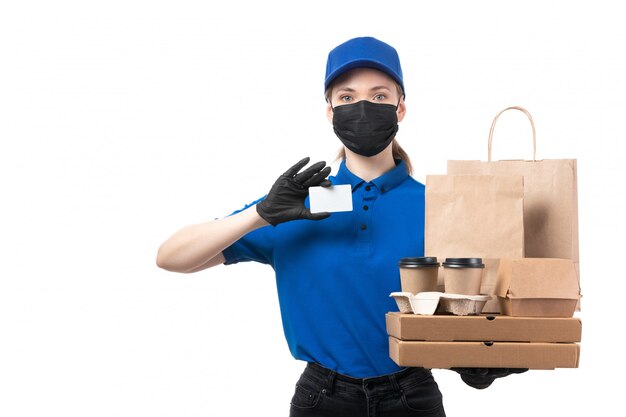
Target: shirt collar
[(384, 183)]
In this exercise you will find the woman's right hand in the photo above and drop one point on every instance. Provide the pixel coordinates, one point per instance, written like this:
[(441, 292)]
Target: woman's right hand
[(199, 246), (285, 201)]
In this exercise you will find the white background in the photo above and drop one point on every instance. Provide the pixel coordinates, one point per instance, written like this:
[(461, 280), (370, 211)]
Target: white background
[(122, 121)]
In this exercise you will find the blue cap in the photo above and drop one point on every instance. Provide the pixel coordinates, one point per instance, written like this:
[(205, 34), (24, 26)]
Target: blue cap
[(365, 52)]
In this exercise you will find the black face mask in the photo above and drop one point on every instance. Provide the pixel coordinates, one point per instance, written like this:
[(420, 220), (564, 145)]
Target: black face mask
[(364, 127)]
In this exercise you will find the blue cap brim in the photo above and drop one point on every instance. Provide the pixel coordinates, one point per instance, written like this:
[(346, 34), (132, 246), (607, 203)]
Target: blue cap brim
[(362, 63)]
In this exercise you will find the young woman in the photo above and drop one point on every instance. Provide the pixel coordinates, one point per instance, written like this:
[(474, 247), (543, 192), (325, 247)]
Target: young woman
[(335, 271)]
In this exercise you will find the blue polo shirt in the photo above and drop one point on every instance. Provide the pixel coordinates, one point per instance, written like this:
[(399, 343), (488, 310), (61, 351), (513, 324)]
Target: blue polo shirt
[(334, 275)]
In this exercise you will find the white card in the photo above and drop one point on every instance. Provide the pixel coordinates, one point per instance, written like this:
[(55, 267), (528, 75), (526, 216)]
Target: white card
[(331, 199)]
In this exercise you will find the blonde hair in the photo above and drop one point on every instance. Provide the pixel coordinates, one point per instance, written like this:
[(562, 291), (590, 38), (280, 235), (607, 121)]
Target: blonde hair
[(396, 149)]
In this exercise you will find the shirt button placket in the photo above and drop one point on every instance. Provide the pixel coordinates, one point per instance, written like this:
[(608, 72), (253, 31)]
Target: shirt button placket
[(365, 215)]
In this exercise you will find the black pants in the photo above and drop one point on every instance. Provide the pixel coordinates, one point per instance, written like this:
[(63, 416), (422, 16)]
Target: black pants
[(411, 392)]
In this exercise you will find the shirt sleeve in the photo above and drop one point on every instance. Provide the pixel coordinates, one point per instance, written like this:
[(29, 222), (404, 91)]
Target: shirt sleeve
[(257, 245)]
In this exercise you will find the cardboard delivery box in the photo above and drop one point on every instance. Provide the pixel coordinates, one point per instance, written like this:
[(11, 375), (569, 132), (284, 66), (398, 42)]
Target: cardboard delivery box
[(484, 354), (448, 328), (537, 287)]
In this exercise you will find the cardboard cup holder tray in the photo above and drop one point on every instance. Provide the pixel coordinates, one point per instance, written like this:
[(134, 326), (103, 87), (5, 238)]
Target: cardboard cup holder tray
[(433, 302)]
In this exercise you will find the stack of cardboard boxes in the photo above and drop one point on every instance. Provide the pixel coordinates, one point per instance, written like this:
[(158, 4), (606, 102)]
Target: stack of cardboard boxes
[(536, 330), (521, 218)]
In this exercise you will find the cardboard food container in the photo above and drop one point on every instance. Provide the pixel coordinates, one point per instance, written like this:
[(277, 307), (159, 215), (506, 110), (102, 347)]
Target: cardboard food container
[(445, 328), (537, 287), (447, 355)]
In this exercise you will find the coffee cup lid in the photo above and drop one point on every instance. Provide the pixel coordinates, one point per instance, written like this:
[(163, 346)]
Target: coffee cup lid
[(421, 262), (463, 263)]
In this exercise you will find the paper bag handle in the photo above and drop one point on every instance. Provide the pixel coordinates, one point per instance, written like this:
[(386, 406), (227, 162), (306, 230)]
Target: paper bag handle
[(532, 124)]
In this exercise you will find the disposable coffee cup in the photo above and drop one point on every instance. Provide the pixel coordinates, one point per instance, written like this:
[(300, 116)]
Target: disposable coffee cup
[(463, 275), (418, 274)]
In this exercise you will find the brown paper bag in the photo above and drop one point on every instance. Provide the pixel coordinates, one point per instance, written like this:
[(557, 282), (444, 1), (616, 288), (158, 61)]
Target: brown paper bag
[(475, 216), (550, 198)]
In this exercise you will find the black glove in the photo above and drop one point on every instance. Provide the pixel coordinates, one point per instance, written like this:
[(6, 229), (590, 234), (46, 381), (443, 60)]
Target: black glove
[(481, 378), (285, 201)]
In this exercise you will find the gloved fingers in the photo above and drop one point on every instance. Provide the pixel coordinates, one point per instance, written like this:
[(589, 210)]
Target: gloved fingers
[(498, 372), (326, 183), (305, 175), (477, 382), (472, 371), (318, 178), (316, 216), (291, 172), (481, 378)]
